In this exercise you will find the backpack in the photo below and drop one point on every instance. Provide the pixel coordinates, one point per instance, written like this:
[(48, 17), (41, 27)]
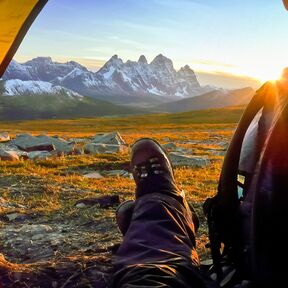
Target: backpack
[(247, 217)]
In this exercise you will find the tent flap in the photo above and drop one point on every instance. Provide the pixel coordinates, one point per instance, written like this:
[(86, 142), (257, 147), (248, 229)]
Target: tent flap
[(16, 18)]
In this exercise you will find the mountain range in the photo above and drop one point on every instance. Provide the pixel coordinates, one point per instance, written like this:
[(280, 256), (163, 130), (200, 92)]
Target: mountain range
[(214, 99), (128, 87)]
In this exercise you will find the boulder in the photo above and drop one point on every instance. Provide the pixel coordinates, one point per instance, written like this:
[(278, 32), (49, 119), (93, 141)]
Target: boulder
[(189, 161), (7, 155), (30, 143), (12, 148), (95, 148), (4, 137), (39, 155), (113, 138), (60, 144)]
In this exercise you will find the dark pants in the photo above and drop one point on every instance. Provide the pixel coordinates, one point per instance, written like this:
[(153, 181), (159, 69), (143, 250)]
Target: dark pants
[(158, 249)]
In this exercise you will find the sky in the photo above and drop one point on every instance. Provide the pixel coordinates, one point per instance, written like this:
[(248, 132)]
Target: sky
[(228, 43)]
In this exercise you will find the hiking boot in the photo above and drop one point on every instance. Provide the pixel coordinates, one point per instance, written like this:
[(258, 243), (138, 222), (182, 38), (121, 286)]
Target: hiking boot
[(124, 214), (153, 173), (152, 170)]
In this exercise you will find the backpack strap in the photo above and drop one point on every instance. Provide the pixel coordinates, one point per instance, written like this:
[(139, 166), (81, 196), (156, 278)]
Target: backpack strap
[(222, 210)]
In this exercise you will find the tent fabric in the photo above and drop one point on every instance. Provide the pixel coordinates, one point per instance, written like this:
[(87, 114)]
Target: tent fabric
[(16, 17)]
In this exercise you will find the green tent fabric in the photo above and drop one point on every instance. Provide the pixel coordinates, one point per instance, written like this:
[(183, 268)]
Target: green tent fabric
[(16, 17)]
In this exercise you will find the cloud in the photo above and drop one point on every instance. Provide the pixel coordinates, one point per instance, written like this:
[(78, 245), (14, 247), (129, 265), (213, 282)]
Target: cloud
[(227, 80), (214, 63)]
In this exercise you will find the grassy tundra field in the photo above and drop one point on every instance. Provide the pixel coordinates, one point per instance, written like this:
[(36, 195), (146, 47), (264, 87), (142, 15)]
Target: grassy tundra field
[(42, 231)]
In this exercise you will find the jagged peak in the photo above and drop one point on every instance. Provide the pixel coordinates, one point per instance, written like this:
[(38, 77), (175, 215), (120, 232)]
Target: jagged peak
[(114, 60), (161, 58), (186, 69), (142, 59), (40, 59), (77, 65)]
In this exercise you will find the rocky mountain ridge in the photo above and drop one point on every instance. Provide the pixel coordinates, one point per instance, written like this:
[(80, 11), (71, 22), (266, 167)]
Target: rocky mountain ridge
[(117, 81)]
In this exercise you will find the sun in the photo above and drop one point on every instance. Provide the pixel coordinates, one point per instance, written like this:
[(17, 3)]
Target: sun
[(263, 74)]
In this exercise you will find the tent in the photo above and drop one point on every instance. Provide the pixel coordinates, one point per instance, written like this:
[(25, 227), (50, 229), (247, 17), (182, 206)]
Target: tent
[(16, 17)]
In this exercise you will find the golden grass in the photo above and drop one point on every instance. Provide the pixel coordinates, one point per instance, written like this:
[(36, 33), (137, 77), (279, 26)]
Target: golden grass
[(51, 188)]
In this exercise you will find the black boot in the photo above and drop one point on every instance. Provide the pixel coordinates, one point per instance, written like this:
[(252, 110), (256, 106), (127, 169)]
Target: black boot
[(152, 169), (153, 173)]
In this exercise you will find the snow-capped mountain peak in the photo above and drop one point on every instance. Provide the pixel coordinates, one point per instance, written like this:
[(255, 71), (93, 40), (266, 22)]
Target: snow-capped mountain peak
[(40, 61), (116, 81), (163, 62), (142, 59), (114, 61)]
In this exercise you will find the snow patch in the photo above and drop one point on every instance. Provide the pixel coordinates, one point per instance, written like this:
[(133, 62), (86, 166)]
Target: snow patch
[(19, 87), (154, 90), (109, 73)]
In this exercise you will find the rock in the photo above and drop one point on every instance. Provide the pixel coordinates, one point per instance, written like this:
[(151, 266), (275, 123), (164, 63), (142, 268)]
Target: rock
[(104, 201), (93, 175), (39, 155), (80, 205), (107, 144), (35, 229), (189, 161), (10, 147), (169, 146), (183, 150), (78, 140), (116, 173), (218, 152), (30, 143), (12, 216), (113, 138), (8, 155), (60, 144), (94, 148), (4, 137), (16, 216)]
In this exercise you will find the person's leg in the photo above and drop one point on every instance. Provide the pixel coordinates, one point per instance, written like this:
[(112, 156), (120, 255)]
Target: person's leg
[(158, 249)]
